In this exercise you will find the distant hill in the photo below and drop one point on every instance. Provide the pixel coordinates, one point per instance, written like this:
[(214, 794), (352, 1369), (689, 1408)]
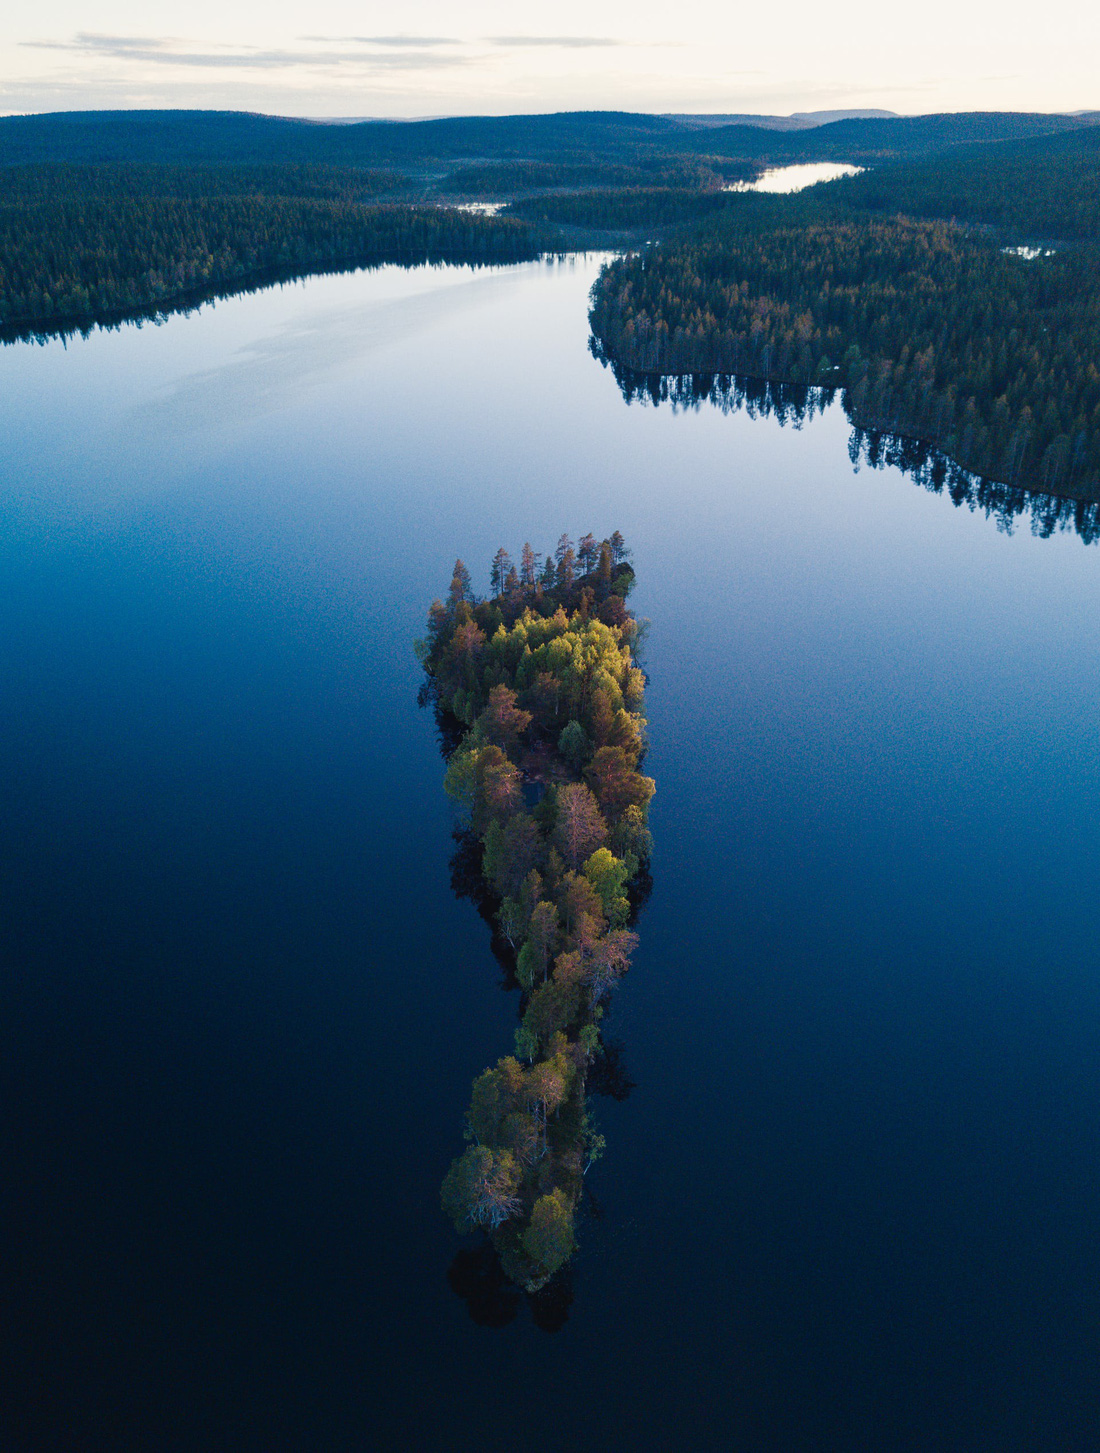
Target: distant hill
[(231, 136), (797, 121), (236, 136), (876, 139)]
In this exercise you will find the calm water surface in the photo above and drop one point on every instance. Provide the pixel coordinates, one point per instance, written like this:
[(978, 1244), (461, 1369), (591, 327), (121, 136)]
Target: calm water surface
[(851, 1202), (796, 177)]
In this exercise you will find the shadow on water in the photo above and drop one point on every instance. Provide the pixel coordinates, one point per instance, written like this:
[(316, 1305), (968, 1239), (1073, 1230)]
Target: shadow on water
[(492, 1300), (796, 404)]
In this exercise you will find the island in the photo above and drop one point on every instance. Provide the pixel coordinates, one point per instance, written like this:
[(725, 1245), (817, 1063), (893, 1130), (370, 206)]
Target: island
[(540, 689)]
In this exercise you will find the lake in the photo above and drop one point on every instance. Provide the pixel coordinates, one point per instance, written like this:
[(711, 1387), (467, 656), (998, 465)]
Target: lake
[(851, 1198), (796, 177)]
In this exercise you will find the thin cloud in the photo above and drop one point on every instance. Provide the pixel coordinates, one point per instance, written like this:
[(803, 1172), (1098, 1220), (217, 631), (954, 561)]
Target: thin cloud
[(569, 42), (162, 52), (410, 41)]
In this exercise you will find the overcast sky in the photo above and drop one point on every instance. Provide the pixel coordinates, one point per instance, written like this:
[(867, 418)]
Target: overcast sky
[(427, 57)]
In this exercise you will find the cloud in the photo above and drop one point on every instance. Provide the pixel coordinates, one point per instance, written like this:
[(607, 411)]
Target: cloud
[(569, 42), (410, 41), (163, 52)]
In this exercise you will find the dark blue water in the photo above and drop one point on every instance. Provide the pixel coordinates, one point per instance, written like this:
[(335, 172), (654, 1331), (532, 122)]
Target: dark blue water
[(851, 1202)]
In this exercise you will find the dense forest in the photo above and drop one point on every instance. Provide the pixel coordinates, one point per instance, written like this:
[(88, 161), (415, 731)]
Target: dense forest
[(937, 331), (1047, 188), (92, 242), (621, 208), (501, 179), (541, 701)]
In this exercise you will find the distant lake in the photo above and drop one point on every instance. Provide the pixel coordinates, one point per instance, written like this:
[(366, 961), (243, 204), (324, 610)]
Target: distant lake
[(795, 178), (850, 1194)]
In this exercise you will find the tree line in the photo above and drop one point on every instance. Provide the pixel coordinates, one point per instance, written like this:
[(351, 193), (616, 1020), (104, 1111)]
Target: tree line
[(496, 179), (541, 686), (935, 331), (1046, 188), (80, 243), (621, 208)]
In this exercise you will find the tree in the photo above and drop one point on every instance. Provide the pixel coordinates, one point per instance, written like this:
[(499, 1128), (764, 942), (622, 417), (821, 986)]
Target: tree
[(601, 715), (587, 552), (503, 721), (574, 744), (631, 835), (609, 960), (549, 1239), (495, 1093), (498, 573), (581, 909), (521, 848), (544, 697), (616, 784), (496, 787), (626, 732), (528, 566), (553, 1006), (480, 1188), (579, 828), (567, 571), (461, 585), (619, 553), (513, 921), (595, 1144), (603, 572), (542, 937), (547, 1085), (608, 876), (460, 782)]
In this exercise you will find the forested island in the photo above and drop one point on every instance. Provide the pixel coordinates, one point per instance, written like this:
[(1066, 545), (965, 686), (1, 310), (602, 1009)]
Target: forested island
[(541, 700)]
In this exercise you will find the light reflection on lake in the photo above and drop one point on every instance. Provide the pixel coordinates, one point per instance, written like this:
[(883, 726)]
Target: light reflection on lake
[(795, 178)]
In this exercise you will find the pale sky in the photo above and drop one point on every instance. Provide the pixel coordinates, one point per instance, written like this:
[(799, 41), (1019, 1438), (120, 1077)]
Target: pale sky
[(426, 57)]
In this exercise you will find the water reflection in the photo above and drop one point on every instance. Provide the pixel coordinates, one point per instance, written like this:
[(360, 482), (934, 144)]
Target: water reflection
[(796, 177), (185, 304), (795, 404), (493, 1300)]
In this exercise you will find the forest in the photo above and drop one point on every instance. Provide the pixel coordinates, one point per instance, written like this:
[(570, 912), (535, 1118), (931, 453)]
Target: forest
[(1045, 188), (621, 208), (938, 330), (504, 178), (541, 706), (84, 242)]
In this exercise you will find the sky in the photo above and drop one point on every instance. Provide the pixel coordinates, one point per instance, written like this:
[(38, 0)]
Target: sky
[(428, 57)]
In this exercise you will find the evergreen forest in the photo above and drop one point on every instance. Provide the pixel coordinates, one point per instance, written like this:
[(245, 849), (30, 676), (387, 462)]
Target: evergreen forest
[(541, 705), (85, 243), (952, 299)]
